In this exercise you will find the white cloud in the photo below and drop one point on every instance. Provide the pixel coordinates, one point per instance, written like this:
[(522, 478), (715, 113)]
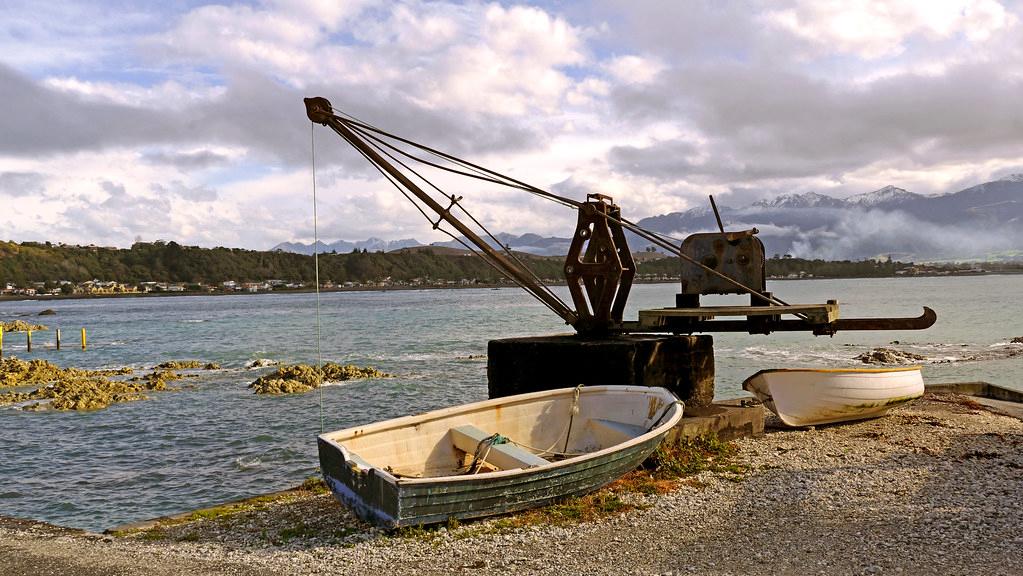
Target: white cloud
[(634, 69), (195, 112), (167, 95), (872, 29)]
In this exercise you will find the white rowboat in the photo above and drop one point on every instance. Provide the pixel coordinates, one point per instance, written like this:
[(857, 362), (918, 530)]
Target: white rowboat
[(529, 450), (807, 397)]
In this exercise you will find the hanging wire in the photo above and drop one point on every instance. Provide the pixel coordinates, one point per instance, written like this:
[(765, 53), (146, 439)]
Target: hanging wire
[(316, 264)]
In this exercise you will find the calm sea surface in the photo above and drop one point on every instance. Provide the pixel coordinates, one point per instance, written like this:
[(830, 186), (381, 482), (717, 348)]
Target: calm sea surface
[(182, 450)]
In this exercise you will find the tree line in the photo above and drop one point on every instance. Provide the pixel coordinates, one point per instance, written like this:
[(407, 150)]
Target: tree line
[(28, 262), (24, 263)]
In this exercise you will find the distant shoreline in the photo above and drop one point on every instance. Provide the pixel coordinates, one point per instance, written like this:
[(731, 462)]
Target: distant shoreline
[(51, 298)]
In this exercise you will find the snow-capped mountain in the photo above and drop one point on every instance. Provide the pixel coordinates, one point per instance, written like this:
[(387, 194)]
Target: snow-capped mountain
[(975, 223), (887, 196), (979, 222), (807, 200)]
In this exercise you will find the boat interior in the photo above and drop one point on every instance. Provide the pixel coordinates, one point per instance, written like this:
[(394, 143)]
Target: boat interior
[(502, 436)]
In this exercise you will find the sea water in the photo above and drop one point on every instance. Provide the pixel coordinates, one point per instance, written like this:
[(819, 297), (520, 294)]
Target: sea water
[(217, 441)]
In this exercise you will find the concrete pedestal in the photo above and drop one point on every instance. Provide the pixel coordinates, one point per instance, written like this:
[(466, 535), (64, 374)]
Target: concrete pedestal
[(682, 364), (726, 420)]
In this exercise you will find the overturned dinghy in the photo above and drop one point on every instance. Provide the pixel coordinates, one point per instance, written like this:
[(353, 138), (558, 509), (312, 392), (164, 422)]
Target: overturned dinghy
[(495, 456), (807, 397)]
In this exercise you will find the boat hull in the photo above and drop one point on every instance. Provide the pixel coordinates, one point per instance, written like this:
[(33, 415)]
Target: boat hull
[(392, 501), (807, 397)]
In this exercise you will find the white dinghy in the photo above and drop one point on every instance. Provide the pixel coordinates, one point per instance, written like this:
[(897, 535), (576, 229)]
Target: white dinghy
[(807, 397), (495, 456)]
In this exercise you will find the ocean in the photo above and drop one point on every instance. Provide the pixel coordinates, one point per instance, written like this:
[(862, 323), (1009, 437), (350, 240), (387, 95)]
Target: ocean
[(217, 441)]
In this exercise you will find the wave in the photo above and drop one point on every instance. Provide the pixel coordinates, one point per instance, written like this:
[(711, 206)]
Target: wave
[(248, 462)]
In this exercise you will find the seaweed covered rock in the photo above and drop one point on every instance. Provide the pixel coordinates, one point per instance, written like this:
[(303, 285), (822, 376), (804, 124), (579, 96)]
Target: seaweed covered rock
[(889, 356), (303, 377), (17, 372), (1017, 340), (157, 379), (21, 326), (47, 312), (76, 388), (288, 380), (179, 365), (187, 365), (71, 393), (337, 373)]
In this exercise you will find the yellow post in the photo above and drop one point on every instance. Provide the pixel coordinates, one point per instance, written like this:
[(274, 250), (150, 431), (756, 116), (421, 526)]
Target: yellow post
[(29, 340), (58, 338), (1, 341), (83, 338)]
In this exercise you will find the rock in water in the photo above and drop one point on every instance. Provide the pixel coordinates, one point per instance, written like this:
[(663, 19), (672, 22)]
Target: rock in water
[(21, 326), (303, 377), (262, 363), (889, 356), (48, 312), (75, 388), (179, 365)]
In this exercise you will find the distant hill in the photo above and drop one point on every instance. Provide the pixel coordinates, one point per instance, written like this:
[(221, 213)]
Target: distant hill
[(983, 222), (978, 223), (527, 243), (345, 247)]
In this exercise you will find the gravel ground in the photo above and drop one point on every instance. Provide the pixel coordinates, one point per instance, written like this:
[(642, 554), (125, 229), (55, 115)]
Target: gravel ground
[(933, 488)]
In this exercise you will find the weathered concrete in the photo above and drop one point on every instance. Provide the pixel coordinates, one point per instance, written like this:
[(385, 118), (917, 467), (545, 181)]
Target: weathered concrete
[(728, 420), (682, 364), (979, 389), (1004, 400)]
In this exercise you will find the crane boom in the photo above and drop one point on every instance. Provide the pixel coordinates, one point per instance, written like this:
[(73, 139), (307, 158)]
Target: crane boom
[(320, 111)]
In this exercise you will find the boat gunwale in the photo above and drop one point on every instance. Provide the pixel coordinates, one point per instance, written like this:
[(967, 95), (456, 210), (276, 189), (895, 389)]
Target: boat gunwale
[(668, 420), (832, 371)]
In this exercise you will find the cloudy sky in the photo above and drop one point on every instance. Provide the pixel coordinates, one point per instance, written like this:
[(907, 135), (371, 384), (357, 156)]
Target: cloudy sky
[(184, 121)]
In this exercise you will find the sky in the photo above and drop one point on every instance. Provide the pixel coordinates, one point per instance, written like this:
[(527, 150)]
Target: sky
[(184, 121)]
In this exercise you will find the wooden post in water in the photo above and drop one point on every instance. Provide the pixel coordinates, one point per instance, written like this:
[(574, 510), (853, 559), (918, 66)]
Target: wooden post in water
[(1, 341), (83, 338), (29, 340), (58, 338)]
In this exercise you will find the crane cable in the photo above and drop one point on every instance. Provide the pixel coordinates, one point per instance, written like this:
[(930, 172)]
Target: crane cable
[(454, 202), (471, 249), (486, 174), (316, 266)]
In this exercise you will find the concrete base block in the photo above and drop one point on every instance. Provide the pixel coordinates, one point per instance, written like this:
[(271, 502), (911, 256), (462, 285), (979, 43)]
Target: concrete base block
[(727, 420), (682, 364)]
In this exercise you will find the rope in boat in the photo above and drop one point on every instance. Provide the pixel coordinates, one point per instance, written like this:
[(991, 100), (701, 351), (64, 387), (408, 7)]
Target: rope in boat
[(316, 265), (665, 413), (568, 432), (571, 414), (487, 443)]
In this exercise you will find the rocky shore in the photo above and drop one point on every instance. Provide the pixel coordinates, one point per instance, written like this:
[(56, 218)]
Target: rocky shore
[(933, 488)]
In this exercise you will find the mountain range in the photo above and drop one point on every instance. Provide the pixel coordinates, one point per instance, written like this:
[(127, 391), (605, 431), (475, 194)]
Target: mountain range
[(983, 222)]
